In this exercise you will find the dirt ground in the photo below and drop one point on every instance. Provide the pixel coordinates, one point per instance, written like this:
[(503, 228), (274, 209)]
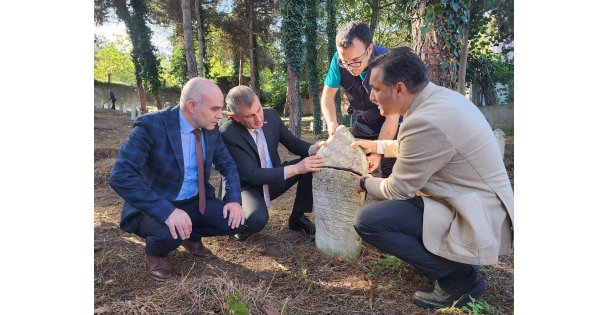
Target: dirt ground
[(277, 271)]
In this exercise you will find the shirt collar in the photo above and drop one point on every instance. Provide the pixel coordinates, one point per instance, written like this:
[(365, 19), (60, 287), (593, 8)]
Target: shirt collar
[(184, 125)]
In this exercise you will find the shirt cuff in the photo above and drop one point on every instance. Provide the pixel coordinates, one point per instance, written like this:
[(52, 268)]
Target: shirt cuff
[(379, 147)]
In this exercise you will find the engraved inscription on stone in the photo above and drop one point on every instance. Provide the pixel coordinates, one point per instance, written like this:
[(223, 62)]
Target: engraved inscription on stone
[(337, 152), (335, 199)]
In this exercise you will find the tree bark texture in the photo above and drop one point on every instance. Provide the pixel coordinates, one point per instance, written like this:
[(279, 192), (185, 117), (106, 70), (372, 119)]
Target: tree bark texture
[(464, 51), (374, 21), (201, 38), (253, 80), (429, 48), (188, 41), (295, 103)]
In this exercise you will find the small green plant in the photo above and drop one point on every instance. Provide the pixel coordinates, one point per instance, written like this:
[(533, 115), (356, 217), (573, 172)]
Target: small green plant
[(480, 307), (475, 307), (234, 304), (385, 265)]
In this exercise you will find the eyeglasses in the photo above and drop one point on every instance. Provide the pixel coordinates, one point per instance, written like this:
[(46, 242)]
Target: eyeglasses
[(354, 64)]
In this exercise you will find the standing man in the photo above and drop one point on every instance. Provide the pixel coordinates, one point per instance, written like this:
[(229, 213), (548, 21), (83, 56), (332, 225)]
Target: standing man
[(112, 98), (349, 69), (252, 136), (162, 172), (446, 149)]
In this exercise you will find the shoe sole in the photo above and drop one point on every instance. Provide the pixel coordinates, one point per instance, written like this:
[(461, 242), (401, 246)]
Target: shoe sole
[(462, 301), (161, 279)]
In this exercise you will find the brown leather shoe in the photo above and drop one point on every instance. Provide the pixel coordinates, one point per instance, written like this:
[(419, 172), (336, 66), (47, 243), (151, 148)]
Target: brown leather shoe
[(159, 267), (197, 249)]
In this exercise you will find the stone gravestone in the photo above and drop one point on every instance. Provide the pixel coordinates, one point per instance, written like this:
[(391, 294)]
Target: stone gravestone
[(500, 139), (335, 198)]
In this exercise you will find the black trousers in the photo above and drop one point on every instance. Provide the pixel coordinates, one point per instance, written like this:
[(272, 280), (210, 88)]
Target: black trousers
[(395, 227), (255, 208), (159, 241)]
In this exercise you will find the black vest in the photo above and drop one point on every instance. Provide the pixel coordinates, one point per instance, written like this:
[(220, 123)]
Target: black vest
[(369, 121)]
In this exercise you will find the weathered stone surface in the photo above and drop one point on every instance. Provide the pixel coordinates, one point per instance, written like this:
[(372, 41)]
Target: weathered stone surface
[(335, 198), (337, 152)]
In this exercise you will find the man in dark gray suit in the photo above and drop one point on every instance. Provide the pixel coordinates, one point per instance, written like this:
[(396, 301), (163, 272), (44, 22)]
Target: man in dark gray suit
[(252, 136)]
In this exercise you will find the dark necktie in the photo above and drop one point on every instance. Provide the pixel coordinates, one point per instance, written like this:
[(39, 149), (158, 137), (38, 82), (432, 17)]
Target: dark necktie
[(200, 170)]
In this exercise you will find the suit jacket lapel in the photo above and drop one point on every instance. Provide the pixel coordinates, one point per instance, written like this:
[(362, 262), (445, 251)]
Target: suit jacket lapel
[(276, 161), (248, 138), (173, 132)]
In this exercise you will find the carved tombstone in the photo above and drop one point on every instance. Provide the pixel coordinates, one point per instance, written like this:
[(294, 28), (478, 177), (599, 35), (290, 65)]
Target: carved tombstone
[(335, 198)]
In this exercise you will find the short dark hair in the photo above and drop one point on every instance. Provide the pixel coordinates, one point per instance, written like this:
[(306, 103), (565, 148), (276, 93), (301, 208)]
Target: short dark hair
[(401, 64), (352, 30)]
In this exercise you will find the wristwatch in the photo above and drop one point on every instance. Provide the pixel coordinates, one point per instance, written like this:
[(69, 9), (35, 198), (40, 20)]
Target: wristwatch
[(362, 182)]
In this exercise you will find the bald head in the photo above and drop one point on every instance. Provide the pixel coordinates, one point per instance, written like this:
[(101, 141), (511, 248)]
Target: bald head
[(198, 88), (201, 103)]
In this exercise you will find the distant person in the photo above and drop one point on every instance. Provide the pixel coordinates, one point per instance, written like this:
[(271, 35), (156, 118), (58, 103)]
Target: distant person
[(349, 69), (112, 98), (157, 174), (252, 136), (446, 150)]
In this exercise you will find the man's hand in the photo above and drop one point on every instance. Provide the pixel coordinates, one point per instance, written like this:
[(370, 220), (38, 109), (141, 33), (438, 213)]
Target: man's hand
[(179, 223), (358, 181), (374, 161), (315, 148), (331, 128), (236, 214), (310, 164), (368, 146)]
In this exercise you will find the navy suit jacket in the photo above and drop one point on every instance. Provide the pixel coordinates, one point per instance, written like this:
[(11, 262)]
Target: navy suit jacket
[(149, 168), (244, 151)]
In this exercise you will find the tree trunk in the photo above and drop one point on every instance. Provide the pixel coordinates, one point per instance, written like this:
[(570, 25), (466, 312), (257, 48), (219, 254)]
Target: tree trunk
[(201, 38), (311, 64), (374, 21), (464, 51), (159, 105), (295, 101), (475, 93), (428, 47), (253, 84), (142, 98), (331, 49), (240, 68), (188, 42)]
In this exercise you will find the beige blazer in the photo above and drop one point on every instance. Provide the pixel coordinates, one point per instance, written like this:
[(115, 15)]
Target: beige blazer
[(446, 149)]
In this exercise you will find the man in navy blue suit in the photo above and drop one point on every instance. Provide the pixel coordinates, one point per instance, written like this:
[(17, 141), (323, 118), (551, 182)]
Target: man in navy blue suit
[(156, 174)]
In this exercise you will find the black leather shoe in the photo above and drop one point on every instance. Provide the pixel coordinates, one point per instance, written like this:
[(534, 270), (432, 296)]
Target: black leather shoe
[(240, 236), (301, 223), (438, 298)]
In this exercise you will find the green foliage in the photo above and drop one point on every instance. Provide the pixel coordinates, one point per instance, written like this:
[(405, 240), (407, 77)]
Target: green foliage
[(235, 306), (474, 307), (385, 265), (311, 63), (292, 34), (177, 71), (273, 90), (485, 66), (393, 27), (143, 53), (112, 58)]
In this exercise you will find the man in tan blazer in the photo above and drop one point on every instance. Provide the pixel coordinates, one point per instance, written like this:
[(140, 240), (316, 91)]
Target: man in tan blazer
[(445, 149)]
